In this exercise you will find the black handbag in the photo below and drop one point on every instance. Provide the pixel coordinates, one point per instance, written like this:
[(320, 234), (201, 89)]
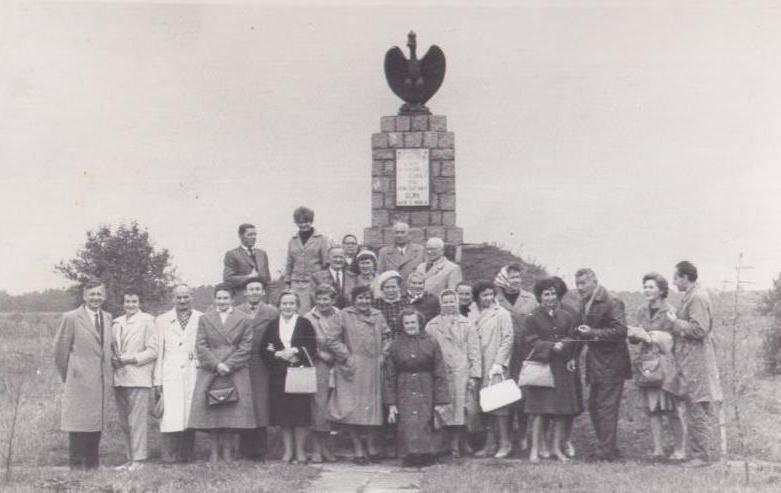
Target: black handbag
[(649, 371), (221, 391)]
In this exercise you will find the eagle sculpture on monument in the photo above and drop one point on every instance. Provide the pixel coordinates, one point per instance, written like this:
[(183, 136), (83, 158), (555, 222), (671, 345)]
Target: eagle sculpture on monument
[(415, 81)]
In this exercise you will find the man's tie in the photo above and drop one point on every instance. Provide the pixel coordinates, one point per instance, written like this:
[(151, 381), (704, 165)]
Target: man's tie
[(99, 326), (253, 259), (339, 280)]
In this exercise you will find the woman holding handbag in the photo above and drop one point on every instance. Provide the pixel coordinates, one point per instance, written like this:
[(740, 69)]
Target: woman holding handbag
[(222, 399), (321, 316), (549, 333), (655, 371), (287, 345), (415, 390)]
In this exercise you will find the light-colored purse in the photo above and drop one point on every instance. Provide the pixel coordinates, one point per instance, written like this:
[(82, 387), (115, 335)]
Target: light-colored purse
[(535, 374), (499, 395), (301, 379)]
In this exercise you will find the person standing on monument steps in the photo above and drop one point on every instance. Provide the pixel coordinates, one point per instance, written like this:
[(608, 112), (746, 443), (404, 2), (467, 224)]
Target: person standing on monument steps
[(307, 253), (245, 261), (82, 356), (439, 272), (174, 375), (336, 275), (351, 249), (607, 360), (253, 442), (403, 256)]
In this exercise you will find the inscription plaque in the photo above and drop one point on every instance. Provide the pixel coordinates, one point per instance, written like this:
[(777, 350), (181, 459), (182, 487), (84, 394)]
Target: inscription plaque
[(412, 178)]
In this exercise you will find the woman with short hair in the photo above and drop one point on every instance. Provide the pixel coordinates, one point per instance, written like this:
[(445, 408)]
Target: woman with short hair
[(367, 271), (289, 342), (307, 253), (460, 346), (656, 342), (356, 342), (223, 345)]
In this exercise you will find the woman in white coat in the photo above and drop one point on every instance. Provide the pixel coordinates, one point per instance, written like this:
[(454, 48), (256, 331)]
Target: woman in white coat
[(175, 372)]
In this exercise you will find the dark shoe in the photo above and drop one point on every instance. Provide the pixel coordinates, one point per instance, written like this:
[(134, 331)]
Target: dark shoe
[(375, 459), (360, 461)]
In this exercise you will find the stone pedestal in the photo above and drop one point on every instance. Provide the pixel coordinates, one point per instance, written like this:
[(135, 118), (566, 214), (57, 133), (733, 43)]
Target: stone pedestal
[(438, 216)]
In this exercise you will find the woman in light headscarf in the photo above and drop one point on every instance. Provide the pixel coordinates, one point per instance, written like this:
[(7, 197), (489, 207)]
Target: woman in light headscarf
[(390, 302), (460, 345)]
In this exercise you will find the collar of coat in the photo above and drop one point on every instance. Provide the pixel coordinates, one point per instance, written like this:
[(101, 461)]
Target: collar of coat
[(315, 234), (369, 317), (172, 316), (234, 317)]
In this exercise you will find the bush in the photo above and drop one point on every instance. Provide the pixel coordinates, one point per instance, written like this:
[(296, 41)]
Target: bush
[(770, 304)]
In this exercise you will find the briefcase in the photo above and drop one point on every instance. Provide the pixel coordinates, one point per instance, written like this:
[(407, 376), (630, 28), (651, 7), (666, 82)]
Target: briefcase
[(499, 395), (222, 391), (301, 379)]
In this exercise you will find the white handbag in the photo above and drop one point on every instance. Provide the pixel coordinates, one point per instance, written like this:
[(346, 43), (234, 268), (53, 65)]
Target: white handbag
[(303, 379), (499, 395)]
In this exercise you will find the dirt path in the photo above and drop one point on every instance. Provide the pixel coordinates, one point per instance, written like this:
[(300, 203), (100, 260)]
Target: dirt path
[(348, 478)]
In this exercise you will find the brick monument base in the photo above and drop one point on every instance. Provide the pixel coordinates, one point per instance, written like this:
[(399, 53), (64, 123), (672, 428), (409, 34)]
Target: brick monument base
[(438, 217)]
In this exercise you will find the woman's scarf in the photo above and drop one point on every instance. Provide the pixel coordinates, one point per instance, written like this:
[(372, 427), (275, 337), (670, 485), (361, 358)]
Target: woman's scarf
[(501, 281)]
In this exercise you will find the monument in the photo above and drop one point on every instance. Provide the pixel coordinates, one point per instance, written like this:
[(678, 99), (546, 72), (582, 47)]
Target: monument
[(413, 155)]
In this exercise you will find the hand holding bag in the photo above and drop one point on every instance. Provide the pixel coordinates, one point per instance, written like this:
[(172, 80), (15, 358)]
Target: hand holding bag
[(649, 370), (301, 379), (535, 374), (499, 395), (222, 391)]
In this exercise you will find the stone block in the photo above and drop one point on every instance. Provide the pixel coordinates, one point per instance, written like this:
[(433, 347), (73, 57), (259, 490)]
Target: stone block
[(395, 139), (378, 200), (381, 184), (436, 218), (438, 123), (403, 124), (378, 168), (385, 154), (373, 237), (396, 216), (447, 168), (430, 139), (380, 217), (388, 123), (419, 218), (435, 232), (436, 168), (390, 200), (449, 218), (447, 140), (443, 185), (417, 235), (380, 140), (447, 202), (434, 201), (420, 122), (413, 139), (390, 168), (454, 236), (441, 154)]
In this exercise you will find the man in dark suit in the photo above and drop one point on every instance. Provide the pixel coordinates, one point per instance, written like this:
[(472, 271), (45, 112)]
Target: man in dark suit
[(403, 256), (607, 360), (351, 249), (246, 261), (336, 275)]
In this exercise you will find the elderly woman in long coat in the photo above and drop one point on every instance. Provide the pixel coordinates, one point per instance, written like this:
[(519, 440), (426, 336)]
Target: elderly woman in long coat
[(495, 330), (415, 389), (223, 345), (460, 346), (356, 342)]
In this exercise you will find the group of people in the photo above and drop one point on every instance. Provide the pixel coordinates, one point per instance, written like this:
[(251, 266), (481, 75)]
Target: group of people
[(392, 349)]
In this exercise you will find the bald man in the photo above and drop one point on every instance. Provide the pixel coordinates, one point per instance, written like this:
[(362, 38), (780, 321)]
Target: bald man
[(403, 256), (438, 272)]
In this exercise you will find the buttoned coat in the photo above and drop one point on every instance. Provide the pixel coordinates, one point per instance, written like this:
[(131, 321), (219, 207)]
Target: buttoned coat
[(442, 275), (390, 258), (323, 363), (522, 308), (349, 281), (495, 331), (84, 366), (694, 347), (238, 264), (607, 359), (135, 337), (303, 260), (228, 343), (460, 345), (356, 341), (175, 368), (260, 319)]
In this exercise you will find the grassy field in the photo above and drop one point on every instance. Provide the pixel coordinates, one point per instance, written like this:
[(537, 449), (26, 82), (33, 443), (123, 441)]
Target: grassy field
[(40, 449)]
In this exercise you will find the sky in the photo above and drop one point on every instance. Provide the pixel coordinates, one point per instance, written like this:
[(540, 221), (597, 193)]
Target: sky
[(624, 136)]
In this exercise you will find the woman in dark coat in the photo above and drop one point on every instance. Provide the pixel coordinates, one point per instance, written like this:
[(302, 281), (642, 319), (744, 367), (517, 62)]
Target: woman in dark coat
[(289, 342), (415, 388), (223, 345), (549, 333)]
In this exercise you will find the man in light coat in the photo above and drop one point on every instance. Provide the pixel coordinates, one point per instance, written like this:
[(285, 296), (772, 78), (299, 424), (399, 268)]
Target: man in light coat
[(439, 272), (82, 356), (134, 353), (174, 374), (696, 357), (403, 256), (245, 261), (253, 443)]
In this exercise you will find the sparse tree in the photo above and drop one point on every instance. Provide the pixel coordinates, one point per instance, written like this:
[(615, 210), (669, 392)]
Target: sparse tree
[(770, 305), (123, 258)]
